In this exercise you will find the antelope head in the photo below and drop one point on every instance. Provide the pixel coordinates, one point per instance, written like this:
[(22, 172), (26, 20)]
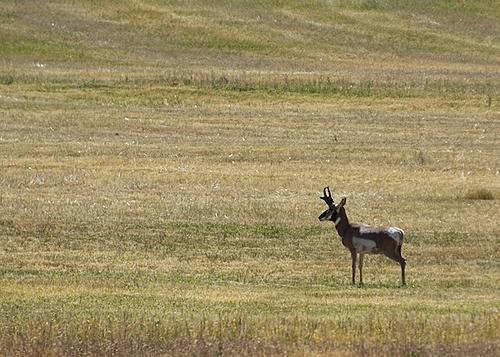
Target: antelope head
[(331, 214)]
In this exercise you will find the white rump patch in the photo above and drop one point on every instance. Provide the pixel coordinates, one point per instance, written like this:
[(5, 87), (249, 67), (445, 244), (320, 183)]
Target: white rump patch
[(396, 234), (363, 245)]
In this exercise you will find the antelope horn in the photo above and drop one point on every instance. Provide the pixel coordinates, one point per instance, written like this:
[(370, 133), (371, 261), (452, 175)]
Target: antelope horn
[(327, 196)]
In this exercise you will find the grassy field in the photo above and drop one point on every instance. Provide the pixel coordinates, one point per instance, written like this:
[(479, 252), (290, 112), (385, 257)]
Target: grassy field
[(161, 164)]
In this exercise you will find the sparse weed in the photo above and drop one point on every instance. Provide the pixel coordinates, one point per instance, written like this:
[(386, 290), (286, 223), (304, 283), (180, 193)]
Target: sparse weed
[(480, 194), (6, 79)]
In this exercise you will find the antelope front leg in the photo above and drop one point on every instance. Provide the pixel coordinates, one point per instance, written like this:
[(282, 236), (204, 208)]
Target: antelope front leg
[(403, 265), (361, 256), (353, 257)]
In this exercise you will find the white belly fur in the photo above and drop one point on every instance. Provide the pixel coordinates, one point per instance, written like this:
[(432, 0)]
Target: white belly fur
[(363, 245)]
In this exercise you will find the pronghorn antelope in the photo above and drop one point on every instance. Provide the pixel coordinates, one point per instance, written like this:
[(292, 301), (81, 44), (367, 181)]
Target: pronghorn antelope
[(362, 239)]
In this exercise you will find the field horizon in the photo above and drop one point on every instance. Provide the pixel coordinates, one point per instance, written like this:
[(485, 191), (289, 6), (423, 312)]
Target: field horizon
[(161, 164)]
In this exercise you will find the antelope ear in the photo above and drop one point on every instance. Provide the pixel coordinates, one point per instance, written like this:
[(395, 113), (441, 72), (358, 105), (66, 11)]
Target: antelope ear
[(342, 202)]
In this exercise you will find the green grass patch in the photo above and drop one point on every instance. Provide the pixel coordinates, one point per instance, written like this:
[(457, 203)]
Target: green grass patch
[(40, 50)]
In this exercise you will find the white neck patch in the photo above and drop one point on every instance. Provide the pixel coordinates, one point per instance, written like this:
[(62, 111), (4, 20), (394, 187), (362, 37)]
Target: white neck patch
[(337, 221)]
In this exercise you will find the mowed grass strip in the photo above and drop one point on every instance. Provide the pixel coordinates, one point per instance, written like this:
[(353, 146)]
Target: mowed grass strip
[(119, 321)]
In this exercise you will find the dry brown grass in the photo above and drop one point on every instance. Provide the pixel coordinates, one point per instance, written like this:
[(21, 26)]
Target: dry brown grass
[(148, 207)]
